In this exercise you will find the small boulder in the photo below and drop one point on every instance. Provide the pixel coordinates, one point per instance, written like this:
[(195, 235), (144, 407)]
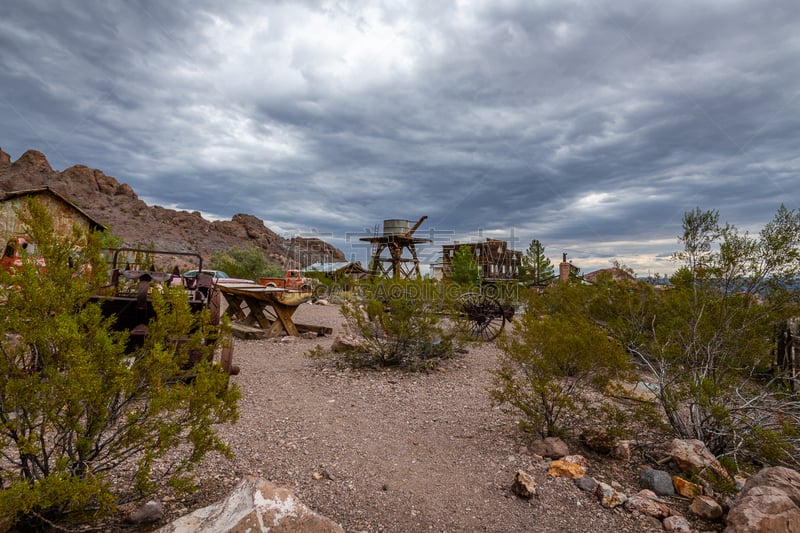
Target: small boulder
[(687, 489), (609, 497), (647, 503), (676, 524), (692, 457), (524, 485), (658, 481), (550, 447), (565, 469), (639, 391), (150, 512), (705, 507), (586, 483)]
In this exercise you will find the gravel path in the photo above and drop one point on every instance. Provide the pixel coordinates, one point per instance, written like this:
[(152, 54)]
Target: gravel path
[(387, 451)]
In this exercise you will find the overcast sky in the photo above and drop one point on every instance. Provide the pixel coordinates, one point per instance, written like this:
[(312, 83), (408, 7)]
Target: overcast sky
[(591, 126)]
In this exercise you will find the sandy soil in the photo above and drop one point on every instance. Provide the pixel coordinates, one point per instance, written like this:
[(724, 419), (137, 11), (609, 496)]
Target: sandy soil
[(388, 451)]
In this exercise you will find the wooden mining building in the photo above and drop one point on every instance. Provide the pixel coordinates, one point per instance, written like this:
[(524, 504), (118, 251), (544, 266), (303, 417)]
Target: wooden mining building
[(495, 260)]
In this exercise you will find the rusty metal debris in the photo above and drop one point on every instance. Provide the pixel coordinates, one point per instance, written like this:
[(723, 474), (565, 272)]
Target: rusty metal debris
[(128, 295)]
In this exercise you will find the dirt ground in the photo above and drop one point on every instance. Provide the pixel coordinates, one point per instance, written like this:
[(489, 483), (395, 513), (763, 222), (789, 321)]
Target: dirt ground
[(388, 451)]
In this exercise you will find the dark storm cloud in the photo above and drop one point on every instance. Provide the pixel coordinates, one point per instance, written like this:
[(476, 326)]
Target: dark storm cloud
[(591, 127)]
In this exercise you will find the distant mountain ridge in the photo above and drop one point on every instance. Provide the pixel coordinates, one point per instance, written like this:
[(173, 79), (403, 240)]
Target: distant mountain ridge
[(117, 206)]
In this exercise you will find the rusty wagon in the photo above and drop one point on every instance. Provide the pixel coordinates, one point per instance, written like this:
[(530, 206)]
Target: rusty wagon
[(484, 316)]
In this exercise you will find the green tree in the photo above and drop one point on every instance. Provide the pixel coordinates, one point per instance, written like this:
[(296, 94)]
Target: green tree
[(700, 230), (536, 268), (77, 404), (708, 340), (465, 269), (247, 263)]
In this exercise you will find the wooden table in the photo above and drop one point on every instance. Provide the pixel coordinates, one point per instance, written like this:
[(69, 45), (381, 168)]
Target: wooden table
[(265, 312)]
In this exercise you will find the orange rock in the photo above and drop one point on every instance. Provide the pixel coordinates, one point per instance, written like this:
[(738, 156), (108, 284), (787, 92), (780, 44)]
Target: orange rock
[(566, 469), (687, 489)]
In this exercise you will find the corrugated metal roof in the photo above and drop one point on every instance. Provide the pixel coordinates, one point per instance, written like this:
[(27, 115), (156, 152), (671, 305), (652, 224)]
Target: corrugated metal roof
[(326, 267)]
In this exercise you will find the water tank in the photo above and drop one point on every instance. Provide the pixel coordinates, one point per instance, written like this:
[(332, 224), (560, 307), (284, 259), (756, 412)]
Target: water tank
[(396, 226)]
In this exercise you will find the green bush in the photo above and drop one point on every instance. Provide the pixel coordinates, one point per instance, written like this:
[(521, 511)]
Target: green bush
[(708, 340), (246, 263), (400, 323), (76, 404), (555, 362)]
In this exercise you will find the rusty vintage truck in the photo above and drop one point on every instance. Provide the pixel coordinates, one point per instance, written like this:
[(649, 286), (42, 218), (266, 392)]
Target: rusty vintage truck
[(293, 280), (16, 250)]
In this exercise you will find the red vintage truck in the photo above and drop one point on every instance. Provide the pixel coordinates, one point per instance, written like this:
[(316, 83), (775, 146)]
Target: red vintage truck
[(16, 249), (293, 280)]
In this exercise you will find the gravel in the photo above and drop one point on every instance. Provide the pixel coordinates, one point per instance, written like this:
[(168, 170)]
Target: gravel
[(389, 451)]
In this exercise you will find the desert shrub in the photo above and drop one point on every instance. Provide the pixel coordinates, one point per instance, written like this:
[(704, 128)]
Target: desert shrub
[(555, 362), (78, 405), (400, 323), (709, 339)]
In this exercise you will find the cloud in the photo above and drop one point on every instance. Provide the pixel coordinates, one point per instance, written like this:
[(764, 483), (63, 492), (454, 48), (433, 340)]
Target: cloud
[(591, 127)]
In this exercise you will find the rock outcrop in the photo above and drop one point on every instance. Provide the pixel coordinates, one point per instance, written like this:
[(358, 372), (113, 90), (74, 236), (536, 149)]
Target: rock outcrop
[(255, 505), (117, 206), (769, 502)]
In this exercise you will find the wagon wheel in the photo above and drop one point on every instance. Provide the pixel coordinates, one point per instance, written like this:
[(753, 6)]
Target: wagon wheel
[(484, 316)]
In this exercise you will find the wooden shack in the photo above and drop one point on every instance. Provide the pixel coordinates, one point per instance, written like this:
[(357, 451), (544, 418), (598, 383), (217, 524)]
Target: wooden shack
[(65, 214)]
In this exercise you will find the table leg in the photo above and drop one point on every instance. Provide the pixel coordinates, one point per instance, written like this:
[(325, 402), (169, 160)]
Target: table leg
[(234, 309), (284, 314)]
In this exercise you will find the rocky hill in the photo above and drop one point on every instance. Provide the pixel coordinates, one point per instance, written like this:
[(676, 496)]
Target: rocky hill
[(117, 206)]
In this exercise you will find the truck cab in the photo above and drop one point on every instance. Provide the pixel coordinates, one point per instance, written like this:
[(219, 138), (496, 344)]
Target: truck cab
[(293, 280)]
